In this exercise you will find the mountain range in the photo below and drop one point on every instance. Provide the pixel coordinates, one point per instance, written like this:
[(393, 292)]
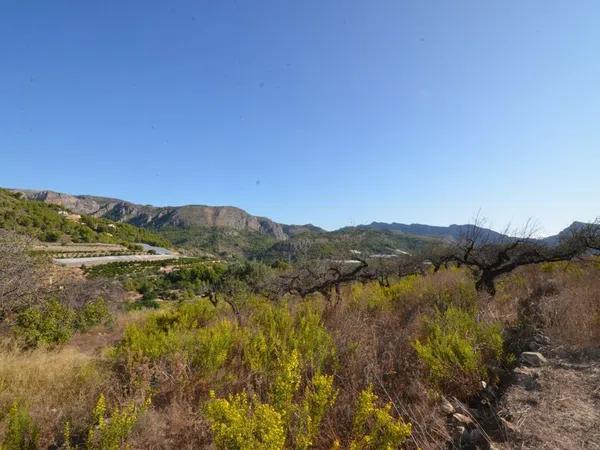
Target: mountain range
[(231, 230)]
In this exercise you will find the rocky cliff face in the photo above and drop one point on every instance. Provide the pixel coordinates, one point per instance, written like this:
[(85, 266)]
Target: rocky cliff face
[(161, 217)]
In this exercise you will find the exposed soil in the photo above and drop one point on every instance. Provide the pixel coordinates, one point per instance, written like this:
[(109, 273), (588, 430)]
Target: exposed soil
[(556, 406)]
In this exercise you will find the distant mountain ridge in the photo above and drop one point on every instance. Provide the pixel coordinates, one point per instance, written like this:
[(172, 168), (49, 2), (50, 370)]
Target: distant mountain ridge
[(456, 232), (452, 232), (229, 217)]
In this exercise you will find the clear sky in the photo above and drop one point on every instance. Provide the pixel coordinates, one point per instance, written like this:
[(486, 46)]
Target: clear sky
[(330, 112)]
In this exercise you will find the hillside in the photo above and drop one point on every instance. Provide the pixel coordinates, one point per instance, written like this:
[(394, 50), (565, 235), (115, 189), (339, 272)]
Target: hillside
[(231, 232), (147, 216), (451, 232), (51, 223), (226, 231)]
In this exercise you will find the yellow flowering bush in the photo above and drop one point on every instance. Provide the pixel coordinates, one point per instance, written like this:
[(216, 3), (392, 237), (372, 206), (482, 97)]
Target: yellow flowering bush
[(374, 427), (240, 424), (110, 431), (319, 396), (457, 345)]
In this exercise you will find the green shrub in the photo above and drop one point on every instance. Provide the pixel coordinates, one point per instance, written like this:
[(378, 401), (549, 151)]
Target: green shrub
[(374, 427), (210, 347), (319, 396), (22, 433), (240, 424), (184, 331), (110, 431), (52, 323), (143, 303), (93, 313), (458, 291), (375, 297), (194, 314), (286, 384), (144, 341), (370, 296), (296, 418), (273, 334), (458, 347)]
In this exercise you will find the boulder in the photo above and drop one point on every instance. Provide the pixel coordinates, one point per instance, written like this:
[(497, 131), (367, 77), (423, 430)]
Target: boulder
[(533, 359)]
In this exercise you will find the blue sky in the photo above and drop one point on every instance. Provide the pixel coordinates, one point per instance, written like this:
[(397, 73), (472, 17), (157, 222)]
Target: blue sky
[(334, 113)]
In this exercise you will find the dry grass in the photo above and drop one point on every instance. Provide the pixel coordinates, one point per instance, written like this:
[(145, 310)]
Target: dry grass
[(573, 315), (375, 348), (55, 386)]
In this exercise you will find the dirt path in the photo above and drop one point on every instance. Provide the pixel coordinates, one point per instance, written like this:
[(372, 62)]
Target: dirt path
[(556, 406)]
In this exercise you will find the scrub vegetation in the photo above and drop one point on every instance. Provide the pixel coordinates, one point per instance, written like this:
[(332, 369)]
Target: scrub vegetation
[(245, 355)]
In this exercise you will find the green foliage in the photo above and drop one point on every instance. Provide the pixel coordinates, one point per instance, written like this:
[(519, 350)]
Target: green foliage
[(110, 431), (319, 396), (143, 303), (186, 278), (184, 332), (92, 314), (240, 424), (286, 384), (458, 346), (22, 433), (223, 242), (127, 269), (67, 437), (272, 334), (374, 427), (53, 323), (455, 289), (211, 346), (374, 296), (43, 221), (188, 315), (450, 288)]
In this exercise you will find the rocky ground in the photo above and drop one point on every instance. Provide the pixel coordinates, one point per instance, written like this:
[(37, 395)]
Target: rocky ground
[(555, 406), (547, 402)]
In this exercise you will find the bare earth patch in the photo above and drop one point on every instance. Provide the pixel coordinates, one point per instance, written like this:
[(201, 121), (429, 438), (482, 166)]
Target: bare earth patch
[(556, 406)]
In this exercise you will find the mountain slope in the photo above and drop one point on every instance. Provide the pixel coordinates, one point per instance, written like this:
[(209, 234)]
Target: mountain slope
[(228, 231), (161, 217), (568, 232), (231, 232), (451, 232), (51, 223)]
